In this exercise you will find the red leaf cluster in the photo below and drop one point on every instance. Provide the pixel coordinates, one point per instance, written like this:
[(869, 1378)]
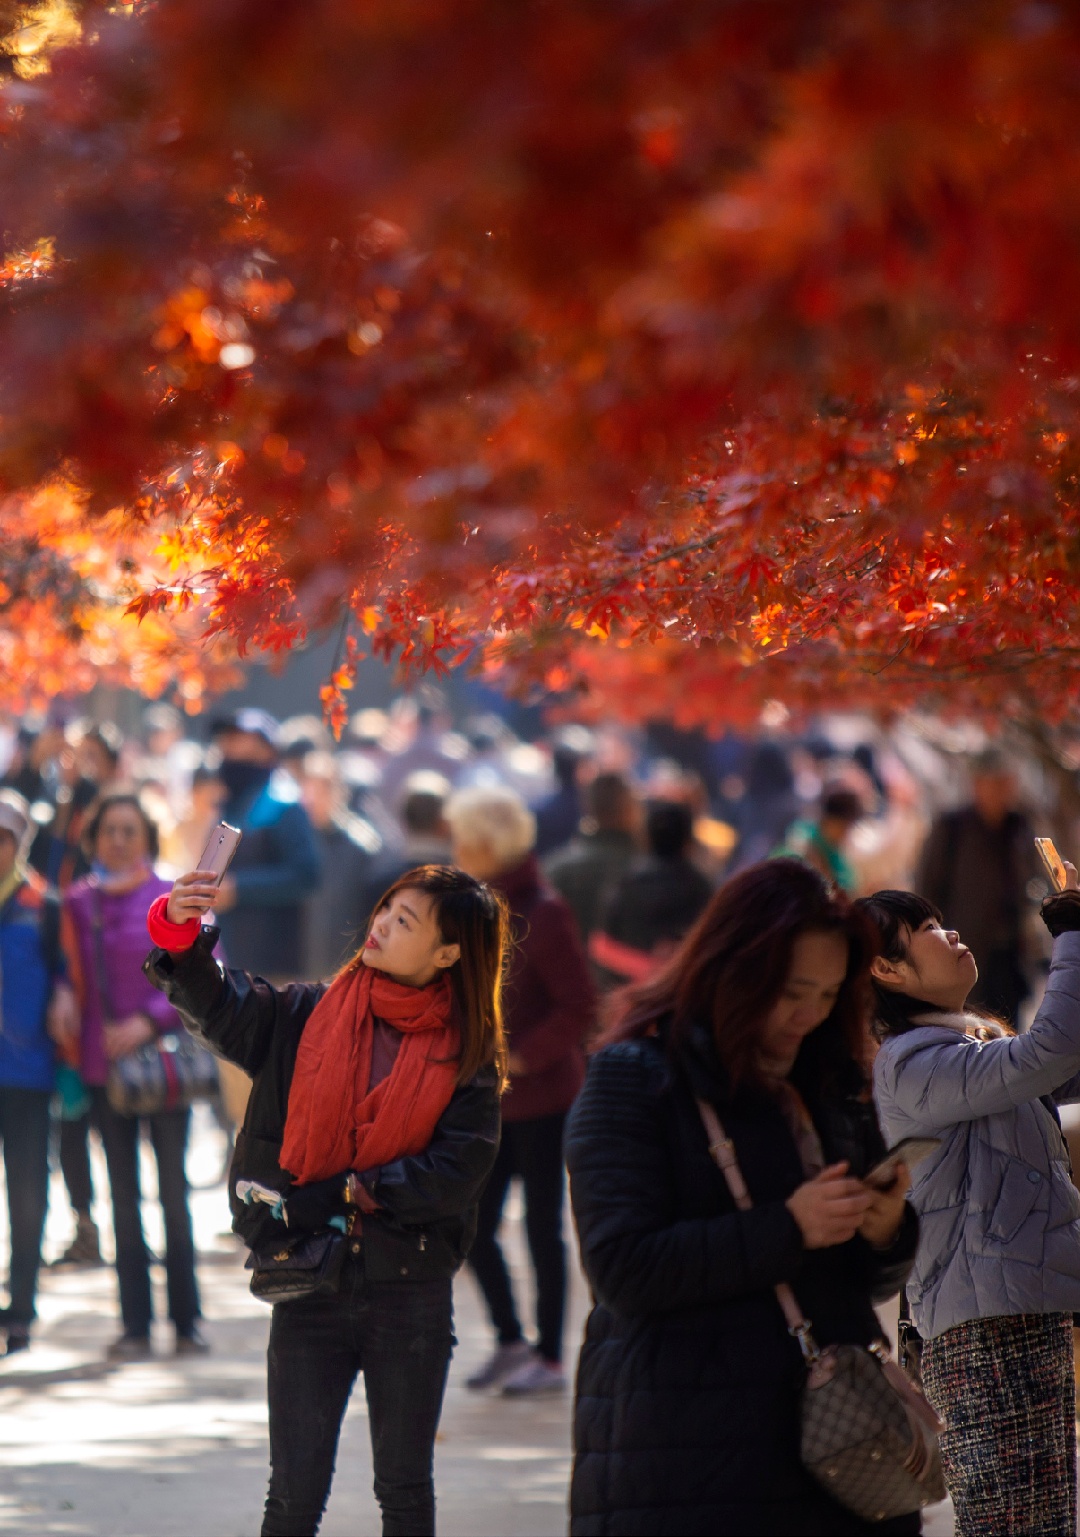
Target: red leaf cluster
[(581, 342)]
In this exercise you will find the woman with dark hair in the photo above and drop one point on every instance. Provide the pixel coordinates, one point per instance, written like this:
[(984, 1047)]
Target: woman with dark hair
[(687, 1417), (103, 930), (374, 1111), (997, 1277)]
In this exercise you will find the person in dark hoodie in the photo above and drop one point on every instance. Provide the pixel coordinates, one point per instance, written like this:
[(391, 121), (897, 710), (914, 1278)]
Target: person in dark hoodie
[(655, 902), (260, 902), (550, 1006)]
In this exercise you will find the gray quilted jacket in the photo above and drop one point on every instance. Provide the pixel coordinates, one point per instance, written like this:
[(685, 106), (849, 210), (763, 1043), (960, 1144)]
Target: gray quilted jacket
[(999, 1216)]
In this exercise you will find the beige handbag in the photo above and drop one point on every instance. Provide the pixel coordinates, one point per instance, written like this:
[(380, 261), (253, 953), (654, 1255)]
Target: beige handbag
[(869, 1436)]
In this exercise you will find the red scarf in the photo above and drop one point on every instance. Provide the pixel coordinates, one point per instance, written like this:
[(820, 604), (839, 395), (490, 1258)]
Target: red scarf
[(333, 1122)]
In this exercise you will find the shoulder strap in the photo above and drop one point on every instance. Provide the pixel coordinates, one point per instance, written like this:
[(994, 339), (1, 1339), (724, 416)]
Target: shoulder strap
[(722, 1150), (99, 956), (50, 934)]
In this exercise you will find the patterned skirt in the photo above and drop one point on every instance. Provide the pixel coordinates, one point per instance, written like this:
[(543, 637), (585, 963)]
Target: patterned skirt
[(1004, 1387)]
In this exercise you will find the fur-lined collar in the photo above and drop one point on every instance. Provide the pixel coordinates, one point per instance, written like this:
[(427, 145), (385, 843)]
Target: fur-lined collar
[(974, 1026)]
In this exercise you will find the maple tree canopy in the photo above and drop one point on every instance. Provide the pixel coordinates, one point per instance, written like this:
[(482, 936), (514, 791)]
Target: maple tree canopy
[(672, 348)]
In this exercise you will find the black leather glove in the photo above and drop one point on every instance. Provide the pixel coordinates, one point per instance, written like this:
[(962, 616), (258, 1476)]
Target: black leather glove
[(310, 1207), (1061, 913)]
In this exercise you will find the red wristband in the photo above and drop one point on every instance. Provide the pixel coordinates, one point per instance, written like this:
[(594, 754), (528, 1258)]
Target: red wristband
[(171, 936)]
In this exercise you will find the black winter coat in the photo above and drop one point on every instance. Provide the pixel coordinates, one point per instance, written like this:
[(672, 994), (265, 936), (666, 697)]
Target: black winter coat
[(688, 1385), (427, 1204)]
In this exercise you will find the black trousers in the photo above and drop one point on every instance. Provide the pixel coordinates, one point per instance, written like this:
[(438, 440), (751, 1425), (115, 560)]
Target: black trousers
[(75, 1163), (24, 1128), (400, 1335), (120, 1138), (533, 1151)]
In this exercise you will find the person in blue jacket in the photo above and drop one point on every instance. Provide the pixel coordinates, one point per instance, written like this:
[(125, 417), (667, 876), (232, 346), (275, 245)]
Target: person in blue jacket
[(29, 966), (260, 905)]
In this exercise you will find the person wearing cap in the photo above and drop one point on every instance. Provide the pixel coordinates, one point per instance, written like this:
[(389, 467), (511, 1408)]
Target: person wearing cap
[(29, 966), (260, 904)]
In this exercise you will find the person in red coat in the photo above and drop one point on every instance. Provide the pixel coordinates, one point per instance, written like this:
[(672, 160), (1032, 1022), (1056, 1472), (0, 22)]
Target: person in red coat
[(550, 1007)]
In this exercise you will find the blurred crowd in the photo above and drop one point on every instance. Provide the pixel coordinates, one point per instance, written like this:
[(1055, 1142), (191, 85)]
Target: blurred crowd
[(606, 841), (633, 827)]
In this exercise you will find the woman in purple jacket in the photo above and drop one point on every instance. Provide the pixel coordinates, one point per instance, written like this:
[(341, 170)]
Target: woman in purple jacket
[(104, 934)]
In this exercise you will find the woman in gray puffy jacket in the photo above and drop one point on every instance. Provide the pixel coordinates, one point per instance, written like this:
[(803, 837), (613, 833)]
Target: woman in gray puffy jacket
[(997, 1273)]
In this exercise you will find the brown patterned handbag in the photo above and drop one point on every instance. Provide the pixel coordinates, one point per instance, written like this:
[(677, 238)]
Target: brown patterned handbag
[(869, 1436)]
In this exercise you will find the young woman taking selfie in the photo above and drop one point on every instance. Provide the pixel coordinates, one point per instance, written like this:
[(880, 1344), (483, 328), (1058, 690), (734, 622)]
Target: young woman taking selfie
[(372, 1125), (996, 1283), (689, 1386)]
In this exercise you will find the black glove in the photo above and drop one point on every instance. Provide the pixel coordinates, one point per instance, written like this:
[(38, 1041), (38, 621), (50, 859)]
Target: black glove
[(1061, 913), (310, 1207)]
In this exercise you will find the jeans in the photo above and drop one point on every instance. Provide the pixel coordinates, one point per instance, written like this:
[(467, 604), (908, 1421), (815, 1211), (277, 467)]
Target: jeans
[(169, 1134), (24, 1128), (400, 1335), (532, 1150)]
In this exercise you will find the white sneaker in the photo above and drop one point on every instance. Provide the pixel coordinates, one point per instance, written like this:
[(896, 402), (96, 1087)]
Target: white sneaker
[(504, 1361), (536, 1376)]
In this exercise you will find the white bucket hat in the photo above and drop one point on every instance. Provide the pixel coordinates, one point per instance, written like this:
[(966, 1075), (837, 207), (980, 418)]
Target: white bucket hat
[(15, 818)]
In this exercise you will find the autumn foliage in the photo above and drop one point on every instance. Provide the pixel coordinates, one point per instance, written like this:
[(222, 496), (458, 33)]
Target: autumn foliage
[(676, 351)]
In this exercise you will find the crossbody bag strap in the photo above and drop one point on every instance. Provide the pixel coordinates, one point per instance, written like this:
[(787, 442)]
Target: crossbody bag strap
[(722, 1150), (99, 958)]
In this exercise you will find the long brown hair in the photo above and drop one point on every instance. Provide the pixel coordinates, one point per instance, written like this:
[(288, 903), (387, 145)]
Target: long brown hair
[(730, 969), (470, 914)]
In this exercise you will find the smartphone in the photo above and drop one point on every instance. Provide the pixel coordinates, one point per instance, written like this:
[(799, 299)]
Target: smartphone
[(220, 848), (908, 1152), (1053, 862)]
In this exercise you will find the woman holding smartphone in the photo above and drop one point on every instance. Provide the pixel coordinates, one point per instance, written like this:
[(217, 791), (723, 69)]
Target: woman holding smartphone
[(374, 1110), (997, 1275), (689, 1383)]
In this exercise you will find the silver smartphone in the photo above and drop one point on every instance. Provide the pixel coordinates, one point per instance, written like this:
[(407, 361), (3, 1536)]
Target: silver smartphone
[(220, 848)]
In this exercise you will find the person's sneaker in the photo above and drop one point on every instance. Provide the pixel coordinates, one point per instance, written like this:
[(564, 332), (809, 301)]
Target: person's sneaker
[(17, 1339), (84, 1249), (503, 1362), (536, 1376), (192, 1344), (130, 1347)]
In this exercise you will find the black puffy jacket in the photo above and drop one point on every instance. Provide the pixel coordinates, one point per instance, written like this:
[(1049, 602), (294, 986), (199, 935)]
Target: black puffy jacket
[(686, 1418), (427, 1204)]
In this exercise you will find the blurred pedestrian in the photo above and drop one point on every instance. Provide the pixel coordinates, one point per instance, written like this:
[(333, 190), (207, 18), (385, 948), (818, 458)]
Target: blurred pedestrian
[(88, 763), (689, 1382), (29, 966), (335, 915), (104, 929), (426, 838), (549, 1011), (604, 847), (206, 804), (655, 902), (260, 900), (996, 1284), (975, 868), (373, 1124), (558, 815), (769, 803), (821, 841)]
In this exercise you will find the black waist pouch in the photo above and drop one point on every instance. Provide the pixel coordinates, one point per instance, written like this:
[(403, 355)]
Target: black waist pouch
[(304, 1265)]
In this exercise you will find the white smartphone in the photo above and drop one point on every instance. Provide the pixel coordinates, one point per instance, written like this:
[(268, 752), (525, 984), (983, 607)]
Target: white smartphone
[(1053, 863), (907, 1152), (220, 848)]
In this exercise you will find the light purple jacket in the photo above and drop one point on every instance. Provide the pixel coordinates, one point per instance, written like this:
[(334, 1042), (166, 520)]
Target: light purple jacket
[(999, 1216), (124, 944)]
